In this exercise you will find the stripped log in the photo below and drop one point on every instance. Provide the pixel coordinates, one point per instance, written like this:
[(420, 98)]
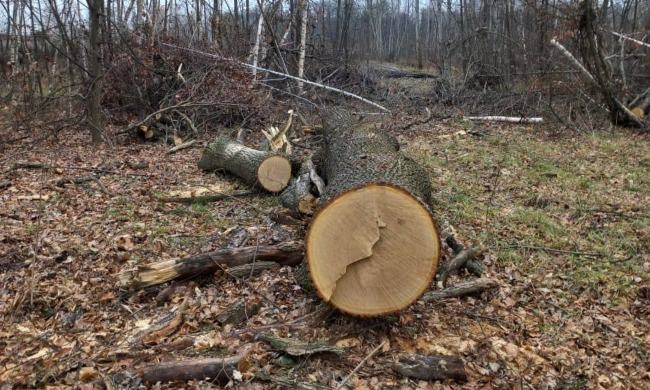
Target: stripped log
[(216, 370), (289, 253), (432, 367), (268, 170), (373, 248)]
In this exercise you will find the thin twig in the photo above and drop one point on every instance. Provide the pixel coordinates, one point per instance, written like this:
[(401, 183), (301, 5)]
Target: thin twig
[(374, 351), (552, 250)]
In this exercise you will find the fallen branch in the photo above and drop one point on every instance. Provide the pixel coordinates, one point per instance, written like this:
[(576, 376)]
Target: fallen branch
[(432, 367), (361, 363), (461, 289), (217, 370), (460, 260), (345, 93), (313, 175), (238, 313), (146, 120), (631, 39), (206, 198), (289, 253), (503, 119), (296, 347), (181, 147), (160, 328), (627, 114), (551, 250), (5, 184)]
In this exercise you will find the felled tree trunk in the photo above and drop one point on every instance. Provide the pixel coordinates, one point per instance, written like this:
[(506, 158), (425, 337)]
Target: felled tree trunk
[(431, 367), (373, 248), (268, 170), (217, 370)]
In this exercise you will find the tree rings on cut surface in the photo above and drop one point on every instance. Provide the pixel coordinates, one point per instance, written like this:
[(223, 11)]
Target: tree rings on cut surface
[(274, 173), (373, 250)]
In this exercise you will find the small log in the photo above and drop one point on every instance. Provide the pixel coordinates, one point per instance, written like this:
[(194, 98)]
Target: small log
[(160, 328), (5, 184), (268, 170), (432, 367), (181, 147), (503, 119), (298, 197), (206, 198), (461, 289), (238, 238), (238, 313), (315, 178), (217, 370), (297, 347), (289, 253), (252, 269)]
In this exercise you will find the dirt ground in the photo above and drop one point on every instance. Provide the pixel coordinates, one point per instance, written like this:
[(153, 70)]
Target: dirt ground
[(565, 218)]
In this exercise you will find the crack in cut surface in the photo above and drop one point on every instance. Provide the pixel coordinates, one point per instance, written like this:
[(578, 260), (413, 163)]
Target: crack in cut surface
[(380, 225)]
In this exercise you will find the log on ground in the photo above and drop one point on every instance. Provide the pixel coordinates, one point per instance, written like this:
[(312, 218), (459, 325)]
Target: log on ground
[(373, 248), (267, 170), (431, 367), (217, 370), (298, 197), (289, 253)]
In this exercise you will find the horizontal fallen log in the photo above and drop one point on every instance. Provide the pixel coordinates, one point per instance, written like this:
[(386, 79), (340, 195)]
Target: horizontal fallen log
[(252, 269), (461, 289), (289, 253), (296, 347), (217, 370), (398, 74), (5, 184), (431, 367), (181, 147), (503, 119), (205, 198)]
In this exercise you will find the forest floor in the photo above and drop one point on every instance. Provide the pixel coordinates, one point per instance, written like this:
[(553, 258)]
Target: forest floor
[(577, 319)]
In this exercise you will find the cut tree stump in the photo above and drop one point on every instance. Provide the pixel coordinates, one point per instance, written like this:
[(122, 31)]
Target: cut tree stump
[(431, 367), (268, 170), (373, 248), (289, 253)]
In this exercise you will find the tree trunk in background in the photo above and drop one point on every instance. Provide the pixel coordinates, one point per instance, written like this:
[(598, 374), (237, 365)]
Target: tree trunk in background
[(94, 79), (418, 48), (303, 43)]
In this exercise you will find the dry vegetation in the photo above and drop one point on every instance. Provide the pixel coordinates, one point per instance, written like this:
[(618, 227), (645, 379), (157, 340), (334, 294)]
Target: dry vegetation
[(575, 320)]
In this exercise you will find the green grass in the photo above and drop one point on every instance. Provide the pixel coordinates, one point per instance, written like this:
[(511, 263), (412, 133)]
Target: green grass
[(546, 195)]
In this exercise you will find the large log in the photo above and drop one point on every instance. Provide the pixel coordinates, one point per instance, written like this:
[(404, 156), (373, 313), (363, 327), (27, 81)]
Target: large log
[(289, 253), (373, 248), (268, 170)]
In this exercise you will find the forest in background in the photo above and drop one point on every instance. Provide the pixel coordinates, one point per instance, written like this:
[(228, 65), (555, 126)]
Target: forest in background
[(114, 62)]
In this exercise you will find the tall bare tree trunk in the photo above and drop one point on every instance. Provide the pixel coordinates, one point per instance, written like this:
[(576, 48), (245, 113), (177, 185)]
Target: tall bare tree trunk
[(303, 43), (94, 79), (418, 48)]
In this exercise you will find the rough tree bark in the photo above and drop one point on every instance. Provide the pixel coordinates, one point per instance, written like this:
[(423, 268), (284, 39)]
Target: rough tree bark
[(268, 170), (289, 253), (373, 247)]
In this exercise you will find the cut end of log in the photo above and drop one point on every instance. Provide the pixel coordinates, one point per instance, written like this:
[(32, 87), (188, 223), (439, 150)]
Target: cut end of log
[(274, 173), (373, 250)]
